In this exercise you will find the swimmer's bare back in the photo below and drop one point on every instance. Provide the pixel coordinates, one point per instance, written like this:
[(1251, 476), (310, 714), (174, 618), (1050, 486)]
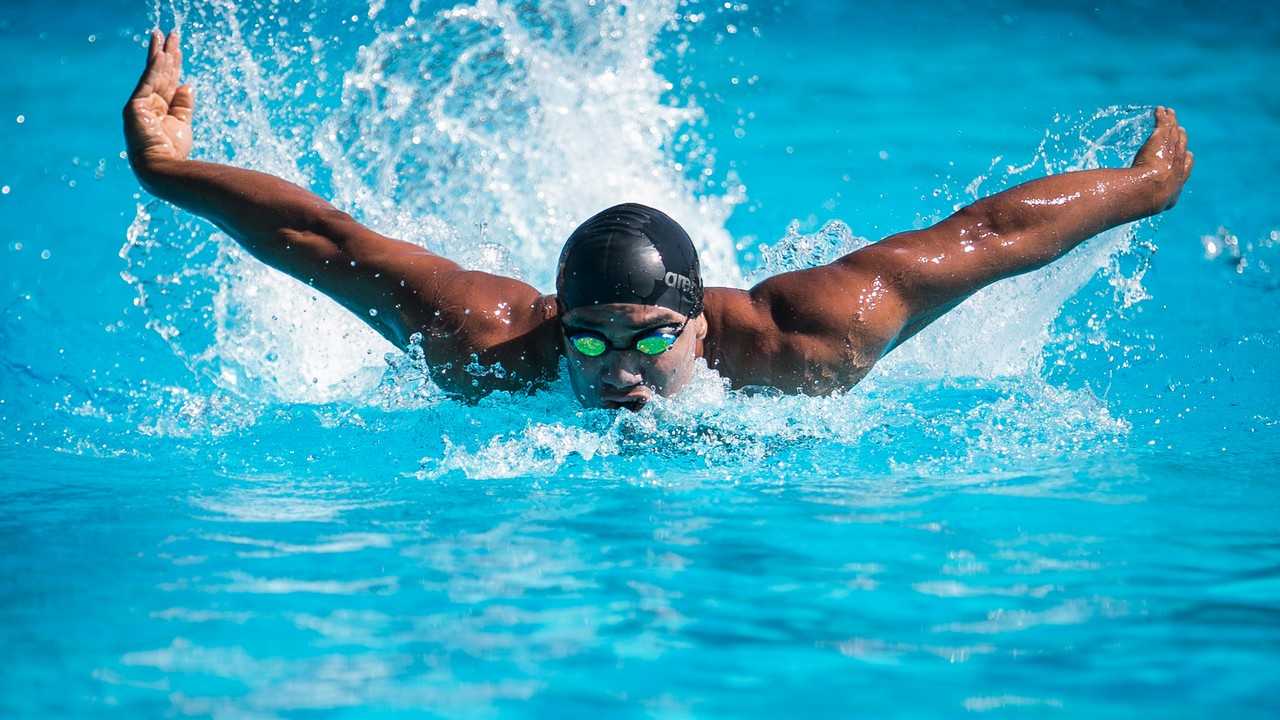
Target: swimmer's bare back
[(812, 331)]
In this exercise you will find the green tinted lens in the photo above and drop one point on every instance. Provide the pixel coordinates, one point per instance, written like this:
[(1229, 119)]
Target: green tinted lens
[(588, 345), (656, 344)]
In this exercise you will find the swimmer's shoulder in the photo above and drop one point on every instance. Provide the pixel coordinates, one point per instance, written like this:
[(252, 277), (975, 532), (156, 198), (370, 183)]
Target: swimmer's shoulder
[(740, 335), (782, 334)]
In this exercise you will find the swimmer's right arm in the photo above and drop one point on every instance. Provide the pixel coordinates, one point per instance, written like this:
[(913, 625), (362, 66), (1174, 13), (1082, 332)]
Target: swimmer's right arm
[(279, 222), (398, 288)]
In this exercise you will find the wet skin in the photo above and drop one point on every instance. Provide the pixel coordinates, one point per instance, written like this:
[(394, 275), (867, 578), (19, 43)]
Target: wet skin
[(629, 378)]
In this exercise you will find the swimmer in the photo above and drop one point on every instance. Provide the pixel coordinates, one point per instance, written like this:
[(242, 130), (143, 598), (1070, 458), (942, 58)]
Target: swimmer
[(630, 314)]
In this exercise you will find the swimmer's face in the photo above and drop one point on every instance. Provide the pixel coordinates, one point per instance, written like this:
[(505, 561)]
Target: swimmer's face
[(629, 378)]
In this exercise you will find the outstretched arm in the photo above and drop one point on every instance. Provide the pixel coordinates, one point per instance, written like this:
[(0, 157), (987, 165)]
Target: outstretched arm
[(396, 287), (278, 222), (927, 272), (821, 329)]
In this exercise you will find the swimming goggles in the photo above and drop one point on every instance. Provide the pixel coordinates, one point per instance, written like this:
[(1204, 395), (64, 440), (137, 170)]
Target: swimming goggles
[(649, 342)]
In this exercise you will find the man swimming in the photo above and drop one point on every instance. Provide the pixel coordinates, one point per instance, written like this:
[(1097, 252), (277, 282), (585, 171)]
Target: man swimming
[(630, 313)]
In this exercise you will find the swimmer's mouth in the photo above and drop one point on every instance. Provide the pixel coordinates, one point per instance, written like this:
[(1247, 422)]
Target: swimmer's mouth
[(627, 402)]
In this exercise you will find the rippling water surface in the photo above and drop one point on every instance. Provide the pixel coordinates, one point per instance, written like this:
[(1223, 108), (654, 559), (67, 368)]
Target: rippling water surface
[(221, 496)]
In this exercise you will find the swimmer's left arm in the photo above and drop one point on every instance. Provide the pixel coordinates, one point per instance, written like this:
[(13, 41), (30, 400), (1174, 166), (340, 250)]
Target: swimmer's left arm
[(930, 271)]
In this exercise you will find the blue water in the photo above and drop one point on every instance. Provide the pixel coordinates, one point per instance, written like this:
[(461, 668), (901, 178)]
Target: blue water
[(221, 497)]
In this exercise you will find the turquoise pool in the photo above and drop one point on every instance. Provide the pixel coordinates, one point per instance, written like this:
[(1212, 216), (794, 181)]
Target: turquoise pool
[(222, 497)]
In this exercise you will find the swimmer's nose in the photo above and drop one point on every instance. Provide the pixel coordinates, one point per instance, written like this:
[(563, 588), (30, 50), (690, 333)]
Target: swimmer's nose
[(622, 371)]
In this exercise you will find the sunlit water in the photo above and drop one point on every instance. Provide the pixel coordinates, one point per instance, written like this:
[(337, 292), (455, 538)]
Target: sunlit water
[(223, 496)]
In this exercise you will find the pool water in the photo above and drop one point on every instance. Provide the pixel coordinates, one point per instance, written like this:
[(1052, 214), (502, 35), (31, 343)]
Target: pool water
[(222, 496)]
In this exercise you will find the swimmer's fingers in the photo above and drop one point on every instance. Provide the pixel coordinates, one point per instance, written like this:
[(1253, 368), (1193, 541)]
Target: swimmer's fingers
[(1166, 126), (152, 80), (1182, 159), (182, 99), (161, 78), (1166, 144), (183, 104), (159, 112), (1164, 158), (1188, 157), (146, 83)]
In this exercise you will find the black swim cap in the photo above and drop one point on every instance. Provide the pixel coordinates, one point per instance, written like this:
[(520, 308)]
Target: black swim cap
[(630, 254)]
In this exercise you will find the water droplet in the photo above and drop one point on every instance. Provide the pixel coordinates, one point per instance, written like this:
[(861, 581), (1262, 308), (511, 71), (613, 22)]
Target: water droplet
[(373, 312)]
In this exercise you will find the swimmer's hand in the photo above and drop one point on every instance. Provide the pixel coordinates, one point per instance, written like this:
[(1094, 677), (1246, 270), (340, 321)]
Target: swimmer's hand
[(1164, 161), (157, 118)]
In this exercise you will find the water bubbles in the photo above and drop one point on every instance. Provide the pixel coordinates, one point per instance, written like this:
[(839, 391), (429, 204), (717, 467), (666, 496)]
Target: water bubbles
[(1252, 260), (796, 251)]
